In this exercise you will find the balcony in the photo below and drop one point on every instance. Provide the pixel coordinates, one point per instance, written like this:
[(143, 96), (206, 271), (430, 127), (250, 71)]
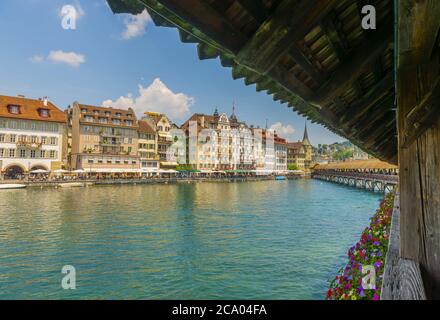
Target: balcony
[(29, 145)]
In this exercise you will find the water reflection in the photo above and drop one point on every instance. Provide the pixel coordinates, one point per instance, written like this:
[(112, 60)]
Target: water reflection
[(256, 240)]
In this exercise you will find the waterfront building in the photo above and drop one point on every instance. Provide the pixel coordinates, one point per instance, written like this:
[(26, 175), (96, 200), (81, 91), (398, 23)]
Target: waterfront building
[(103, 139), (212, 156), (280, 145), (147, 150), (307, 146), (296, 155), (300, 153), (268, 147), (230, 144), (243, 143), (163, 127), (32, 136)]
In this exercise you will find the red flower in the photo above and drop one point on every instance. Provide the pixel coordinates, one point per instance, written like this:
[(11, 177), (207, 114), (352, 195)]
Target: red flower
[(329, 293)]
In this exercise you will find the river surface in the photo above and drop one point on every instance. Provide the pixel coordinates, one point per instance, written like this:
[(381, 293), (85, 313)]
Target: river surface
[(245, 240)]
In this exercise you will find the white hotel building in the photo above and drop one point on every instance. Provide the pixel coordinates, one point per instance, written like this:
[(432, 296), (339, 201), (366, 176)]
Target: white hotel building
[(32, 136)]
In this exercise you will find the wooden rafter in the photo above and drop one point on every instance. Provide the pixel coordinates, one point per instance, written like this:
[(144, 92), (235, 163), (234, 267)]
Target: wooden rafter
[(290, 22)]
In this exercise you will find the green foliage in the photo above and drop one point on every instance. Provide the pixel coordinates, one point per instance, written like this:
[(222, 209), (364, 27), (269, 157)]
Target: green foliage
[(292, 166), (183, 167), (342, 154)]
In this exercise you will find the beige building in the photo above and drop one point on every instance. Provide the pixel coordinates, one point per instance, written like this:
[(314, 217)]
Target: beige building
[(163, 126), (32, 136), (296, 155), (147, 149), (103, 139)]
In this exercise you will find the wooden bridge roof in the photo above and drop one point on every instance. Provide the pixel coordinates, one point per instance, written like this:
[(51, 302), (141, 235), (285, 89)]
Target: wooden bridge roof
[(312, 55), (356, 164)]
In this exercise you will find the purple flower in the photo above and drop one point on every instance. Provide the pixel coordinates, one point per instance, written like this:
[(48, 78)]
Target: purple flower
[(376, 243), (377, 264)]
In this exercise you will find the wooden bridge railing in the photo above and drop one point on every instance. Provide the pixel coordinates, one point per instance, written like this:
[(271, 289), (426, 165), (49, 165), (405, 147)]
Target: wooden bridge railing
[(402, 278), (359, 175)]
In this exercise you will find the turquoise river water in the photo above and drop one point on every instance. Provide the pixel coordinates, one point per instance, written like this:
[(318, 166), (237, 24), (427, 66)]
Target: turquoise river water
[(246, 240)]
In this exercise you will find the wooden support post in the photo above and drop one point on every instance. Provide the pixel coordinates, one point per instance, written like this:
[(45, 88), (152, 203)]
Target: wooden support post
[(417, 71)]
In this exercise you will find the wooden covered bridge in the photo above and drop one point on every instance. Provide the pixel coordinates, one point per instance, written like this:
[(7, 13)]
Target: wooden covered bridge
[(371, 174), (379, 87)]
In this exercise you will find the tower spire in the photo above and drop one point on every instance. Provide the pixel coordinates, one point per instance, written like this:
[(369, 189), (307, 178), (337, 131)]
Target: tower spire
[(306, 140), (233, 117)]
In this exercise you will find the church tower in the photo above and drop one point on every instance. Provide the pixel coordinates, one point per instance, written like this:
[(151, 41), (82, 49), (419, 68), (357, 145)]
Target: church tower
[(308, 149)]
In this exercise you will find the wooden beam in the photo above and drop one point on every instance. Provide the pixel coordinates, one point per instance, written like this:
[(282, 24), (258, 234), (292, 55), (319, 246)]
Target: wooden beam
[(355, 64), (255, 8), (330, 27), (422, 116), (306, 64), (203, 17), (290, 21), (373, 95), (419, 32), (289, 81)]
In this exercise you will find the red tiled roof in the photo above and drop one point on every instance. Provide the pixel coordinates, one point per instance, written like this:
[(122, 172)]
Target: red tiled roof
[(145, 127), (30, 109)]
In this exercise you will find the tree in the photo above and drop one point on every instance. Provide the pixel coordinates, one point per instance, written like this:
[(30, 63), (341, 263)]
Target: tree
[(292, 167)]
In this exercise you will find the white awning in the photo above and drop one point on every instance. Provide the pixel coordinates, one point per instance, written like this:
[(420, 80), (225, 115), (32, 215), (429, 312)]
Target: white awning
[(61, 171), (149, 170), (167, 171), (112, 170), (39, 171)]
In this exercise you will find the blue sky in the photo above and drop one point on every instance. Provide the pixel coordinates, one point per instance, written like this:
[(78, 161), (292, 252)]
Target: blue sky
[(112, 56)]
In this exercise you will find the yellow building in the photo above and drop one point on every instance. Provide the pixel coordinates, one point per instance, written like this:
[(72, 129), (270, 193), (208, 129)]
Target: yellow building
[(147, 150), (300, 153), (163, 126)]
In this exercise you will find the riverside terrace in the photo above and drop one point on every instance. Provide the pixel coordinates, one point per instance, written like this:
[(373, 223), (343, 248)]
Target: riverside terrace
[(378, 88), (82, 179)]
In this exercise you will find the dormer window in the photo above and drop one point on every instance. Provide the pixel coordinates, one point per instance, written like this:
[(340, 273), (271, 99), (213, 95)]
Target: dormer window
[(44, 113), (107, 113), (14, 109), (129, 115), (96, 112), (118, 114), (83, 110)]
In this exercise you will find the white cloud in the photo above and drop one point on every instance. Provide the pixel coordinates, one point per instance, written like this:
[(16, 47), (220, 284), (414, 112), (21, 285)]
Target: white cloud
[(135, 25), (156, 97), (71, 58), (37, 59), (284, 131)]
